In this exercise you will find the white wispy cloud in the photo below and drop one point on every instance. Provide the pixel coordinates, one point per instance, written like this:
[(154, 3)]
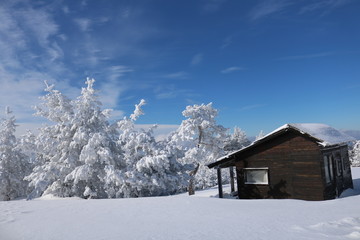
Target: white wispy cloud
[(89, 54), (86, 24), (55, 52), (84, 3), (109, 94), (306, 56), (231, 69), (21, 93), (29, 33), (12, 40), (166, 95), (32, 34), (324, 6), (226, 42), (41, 24), (83, 23), (177, 75), (196, 59), (252, 106), (113, 87), (66, 9), (94, 48), (115, 72), (172, 91), (62, 36), (268, 7)]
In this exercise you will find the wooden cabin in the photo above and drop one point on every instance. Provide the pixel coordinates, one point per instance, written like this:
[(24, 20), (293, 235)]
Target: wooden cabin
[(297, 161)]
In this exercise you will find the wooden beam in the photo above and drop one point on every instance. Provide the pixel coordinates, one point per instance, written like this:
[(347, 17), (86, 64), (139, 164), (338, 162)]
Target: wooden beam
[(232, 184), (220, 183)]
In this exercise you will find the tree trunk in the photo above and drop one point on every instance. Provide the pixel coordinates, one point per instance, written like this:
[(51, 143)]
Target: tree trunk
[(191, 188)]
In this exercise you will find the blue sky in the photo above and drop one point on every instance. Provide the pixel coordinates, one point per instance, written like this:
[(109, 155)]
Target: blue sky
[(261, 63)]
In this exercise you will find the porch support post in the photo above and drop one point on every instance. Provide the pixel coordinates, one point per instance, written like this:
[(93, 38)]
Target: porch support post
[(219, 183), (232, 184)]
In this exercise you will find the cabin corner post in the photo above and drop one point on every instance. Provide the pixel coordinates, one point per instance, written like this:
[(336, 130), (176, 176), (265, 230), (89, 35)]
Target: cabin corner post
[(232, 184), (219, 182)]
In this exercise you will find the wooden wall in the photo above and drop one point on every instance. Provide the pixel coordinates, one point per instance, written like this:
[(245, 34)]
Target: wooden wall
[(295, 168), (342, 171)]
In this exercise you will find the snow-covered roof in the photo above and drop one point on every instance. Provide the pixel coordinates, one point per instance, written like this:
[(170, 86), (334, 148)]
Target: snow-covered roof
[(322, 133)]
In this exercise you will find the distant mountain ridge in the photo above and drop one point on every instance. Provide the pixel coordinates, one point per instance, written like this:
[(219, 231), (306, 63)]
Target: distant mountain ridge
[(327, 134), (353, 133)]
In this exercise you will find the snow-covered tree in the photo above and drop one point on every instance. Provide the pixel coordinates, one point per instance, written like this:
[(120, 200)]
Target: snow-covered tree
[(199, 139), (236, 141), (93, 142), (77, 151), (83, 155), (26, 143), (150, 169), (260, 135), (54, 160), (14, 165), (355, 154)]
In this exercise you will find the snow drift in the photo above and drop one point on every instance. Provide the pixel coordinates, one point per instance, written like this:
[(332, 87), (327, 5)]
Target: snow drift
[(182, 217)]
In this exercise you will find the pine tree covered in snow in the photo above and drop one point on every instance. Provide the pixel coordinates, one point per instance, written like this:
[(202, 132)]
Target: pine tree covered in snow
[(83, 155), (93, 142), (150, 169), (355, 154), (54, 160), (260, 135), (236, 141), (27, 145), (199, 139), (14, 165), (76, 152)]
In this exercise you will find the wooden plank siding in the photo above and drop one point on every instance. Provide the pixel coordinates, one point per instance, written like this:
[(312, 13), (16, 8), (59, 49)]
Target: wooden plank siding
[(294, 164)]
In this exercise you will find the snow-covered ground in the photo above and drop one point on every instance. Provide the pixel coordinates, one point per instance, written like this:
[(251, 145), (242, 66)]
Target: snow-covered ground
[(182, 217)]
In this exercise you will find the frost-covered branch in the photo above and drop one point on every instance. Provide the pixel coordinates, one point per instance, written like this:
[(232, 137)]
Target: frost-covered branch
[(138, 110)]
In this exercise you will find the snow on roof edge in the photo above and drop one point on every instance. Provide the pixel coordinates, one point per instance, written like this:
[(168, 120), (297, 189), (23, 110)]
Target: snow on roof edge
[(318, 131), (267, 135)]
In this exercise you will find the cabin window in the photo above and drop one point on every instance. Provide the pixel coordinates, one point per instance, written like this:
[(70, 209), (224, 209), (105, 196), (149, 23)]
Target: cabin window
[(256, 175)]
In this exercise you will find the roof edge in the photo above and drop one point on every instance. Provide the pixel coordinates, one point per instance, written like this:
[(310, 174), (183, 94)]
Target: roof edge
[(284, 128)]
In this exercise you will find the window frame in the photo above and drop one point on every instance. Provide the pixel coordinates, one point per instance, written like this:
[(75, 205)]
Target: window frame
[(246, 170)]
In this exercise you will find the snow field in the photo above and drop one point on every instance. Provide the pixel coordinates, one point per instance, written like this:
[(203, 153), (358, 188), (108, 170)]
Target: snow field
[(182, 217)]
